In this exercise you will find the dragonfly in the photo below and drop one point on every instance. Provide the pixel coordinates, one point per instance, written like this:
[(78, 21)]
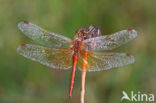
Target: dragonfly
[(84, 52)]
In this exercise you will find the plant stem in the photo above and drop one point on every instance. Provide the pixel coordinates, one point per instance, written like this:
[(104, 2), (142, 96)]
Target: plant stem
[(83, 76)]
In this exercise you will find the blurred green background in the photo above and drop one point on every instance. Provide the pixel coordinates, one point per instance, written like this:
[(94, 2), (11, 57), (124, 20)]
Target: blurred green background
[(25, 81)]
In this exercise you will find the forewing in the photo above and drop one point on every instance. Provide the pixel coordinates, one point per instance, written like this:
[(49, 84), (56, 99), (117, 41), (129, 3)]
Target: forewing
[(53, 58), (109, 42), (43, 37), (103, 61)]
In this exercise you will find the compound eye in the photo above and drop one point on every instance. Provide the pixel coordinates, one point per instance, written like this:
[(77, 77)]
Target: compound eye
[(78, 31)]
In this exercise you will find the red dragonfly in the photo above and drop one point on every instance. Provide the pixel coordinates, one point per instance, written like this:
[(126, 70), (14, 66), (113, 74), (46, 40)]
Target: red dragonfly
[(60, 52)]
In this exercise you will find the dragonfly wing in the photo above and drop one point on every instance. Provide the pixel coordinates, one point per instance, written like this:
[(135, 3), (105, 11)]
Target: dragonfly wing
[(44, 37), (109, 42), (53, 58), (104, 61)]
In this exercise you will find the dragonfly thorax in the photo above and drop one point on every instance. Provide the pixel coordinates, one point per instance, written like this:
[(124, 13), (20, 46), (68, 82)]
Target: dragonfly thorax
[(83, 34), (78, 43)]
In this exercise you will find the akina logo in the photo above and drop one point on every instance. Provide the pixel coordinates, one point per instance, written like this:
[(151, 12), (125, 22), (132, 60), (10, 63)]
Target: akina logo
[(140, 97)]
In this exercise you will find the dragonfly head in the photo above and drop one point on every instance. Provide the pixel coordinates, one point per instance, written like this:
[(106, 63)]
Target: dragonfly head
[(86, 33), (82, 33)]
